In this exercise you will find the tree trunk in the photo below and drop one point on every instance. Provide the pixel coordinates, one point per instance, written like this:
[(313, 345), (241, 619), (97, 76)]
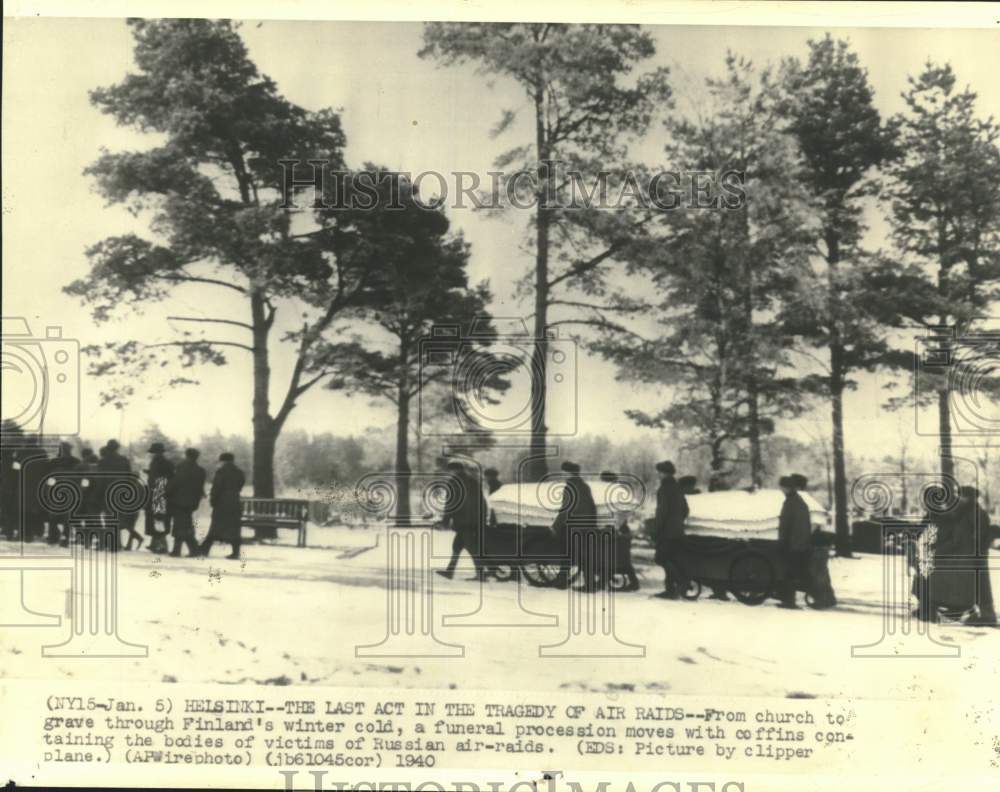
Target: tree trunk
[(944, 431), (756, 459), (841, 525), (402, 461), (537, 466), (264, 433)]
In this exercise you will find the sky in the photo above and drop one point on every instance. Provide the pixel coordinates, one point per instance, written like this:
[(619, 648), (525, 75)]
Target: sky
[(399, 111)]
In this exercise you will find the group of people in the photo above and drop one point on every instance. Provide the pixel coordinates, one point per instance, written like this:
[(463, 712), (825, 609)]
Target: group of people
[(599, 553), (174, 494), (956, 581)]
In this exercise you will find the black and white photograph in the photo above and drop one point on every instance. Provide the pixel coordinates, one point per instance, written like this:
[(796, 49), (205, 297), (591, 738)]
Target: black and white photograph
[(399, 396)]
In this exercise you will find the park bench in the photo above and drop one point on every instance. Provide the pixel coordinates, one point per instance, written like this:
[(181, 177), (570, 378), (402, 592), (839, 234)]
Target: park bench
[(266, 515)]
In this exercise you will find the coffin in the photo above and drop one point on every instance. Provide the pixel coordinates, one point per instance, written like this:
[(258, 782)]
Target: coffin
[(538, 504), (738, 514)]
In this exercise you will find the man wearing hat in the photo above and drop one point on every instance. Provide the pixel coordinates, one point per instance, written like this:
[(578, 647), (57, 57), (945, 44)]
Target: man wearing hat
[(226, 509), (668, 530), (492, 477), (465, 514), (577, 519), (158, 476), (112, 461), (184, 494), (794, 537), (59, 530), (986, 615)]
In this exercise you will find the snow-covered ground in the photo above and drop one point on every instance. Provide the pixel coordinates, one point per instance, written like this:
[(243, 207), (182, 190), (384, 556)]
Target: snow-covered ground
[(283, 615)]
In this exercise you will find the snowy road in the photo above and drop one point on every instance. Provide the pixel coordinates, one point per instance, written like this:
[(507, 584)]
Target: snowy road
[(284, 615)]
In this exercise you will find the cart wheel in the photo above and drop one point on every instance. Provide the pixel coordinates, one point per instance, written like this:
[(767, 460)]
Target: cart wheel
[(543, 573), (693, 590), (751, 578), (618, 582)]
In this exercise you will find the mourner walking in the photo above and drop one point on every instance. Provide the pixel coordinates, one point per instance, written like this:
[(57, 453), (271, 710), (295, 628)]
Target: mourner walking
[(465, 512), (621, 563), (113, 462), (668, 530), (225, 500), (574, 526), (184, 494), (160, 471), (794, 537)]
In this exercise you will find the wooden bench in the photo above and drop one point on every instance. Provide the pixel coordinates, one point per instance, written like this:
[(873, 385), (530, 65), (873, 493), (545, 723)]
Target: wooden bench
[(272, 513)]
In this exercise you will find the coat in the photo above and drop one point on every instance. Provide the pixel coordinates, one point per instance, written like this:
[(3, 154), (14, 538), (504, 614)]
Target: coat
[(578, 510), (671, 512), (161, 470), (794, 525), (466, 509), (953, 576), (225, 500), (186, 489)]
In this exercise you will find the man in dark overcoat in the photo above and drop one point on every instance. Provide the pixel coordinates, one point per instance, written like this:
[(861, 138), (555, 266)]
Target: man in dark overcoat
[(184, 494), (226, 510), (113, 462), (465, 512), (574, 527), (794, 537), (668, 530)]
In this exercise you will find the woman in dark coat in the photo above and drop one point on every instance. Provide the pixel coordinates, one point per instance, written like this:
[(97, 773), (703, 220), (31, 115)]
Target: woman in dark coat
[(226, 510), (161, 470)]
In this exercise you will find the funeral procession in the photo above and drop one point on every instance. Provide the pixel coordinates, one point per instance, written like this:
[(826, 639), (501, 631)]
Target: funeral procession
[(538, 346)]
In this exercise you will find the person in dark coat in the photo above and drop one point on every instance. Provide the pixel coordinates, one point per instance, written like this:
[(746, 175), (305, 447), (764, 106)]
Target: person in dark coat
[(668, 530), (492, 478), (574, 527), (622, 561), (465, 512), (986, 610), (160, 471), (794, 537), (959, 578), (112, 462), (34, 465), (87, 525), (65, 462), (689, 486), (226, 510), (184, 494)]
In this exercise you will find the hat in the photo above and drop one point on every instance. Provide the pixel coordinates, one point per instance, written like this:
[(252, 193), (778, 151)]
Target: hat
[(156, 448), (665, 467), (969, 491), (571, 467), (607, 475), (192, 453), (226, 457), (112, 445), (491, 471), (453, 465), (798, 481), (785, 482)]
